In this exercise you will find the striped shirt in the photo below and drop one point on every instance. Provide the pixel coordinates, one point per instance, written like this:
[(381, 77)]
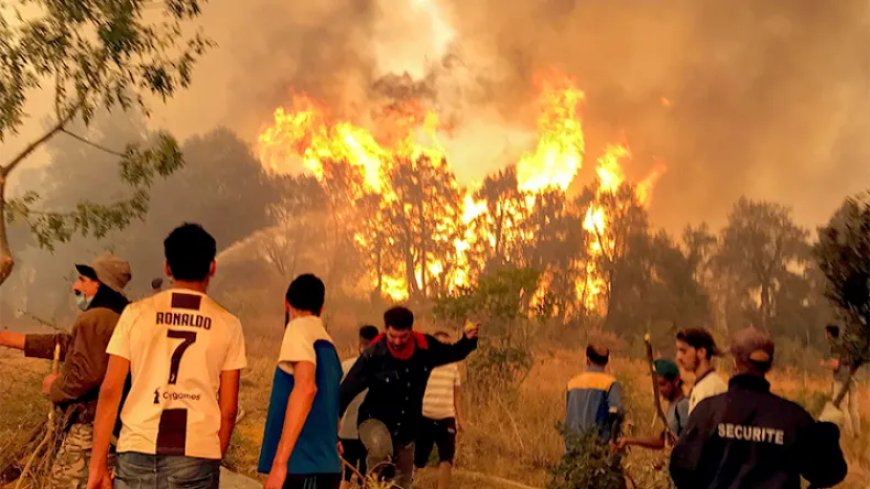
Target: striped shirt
[(438, 399)]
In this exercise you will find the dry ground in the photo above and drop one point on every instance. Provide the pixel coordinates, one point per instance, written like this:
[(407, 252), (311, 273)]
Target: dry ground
[(513, 436)]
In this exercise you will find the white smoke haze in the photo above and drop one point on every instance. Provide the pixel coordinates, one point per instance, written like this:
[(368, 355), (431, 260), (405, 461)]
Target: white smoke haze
[(767, 99)]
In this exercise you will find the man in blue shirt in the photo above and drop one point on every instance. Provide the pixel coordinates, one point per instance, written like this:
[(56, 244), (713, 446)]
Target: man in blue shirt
[(594, 397), (670, 387), (300, 440)]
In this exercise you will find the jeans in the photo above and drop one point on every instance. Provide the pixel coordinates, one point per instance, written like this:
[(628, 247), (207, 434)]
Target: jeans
[(141, 471)]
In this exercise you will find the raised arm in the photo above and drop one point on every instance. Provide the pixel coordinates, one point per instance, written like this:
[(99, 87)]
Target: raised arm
[(442, 353), (11, 339)]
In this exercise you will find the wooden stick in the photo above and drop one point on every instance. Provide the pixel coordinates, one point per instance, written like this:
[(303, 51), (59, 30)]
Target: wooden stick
[(49, 431)]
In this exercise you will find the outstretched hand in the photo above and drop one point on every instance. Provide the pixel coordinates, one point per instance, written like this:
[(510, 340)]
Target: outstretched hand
[(471, 330)]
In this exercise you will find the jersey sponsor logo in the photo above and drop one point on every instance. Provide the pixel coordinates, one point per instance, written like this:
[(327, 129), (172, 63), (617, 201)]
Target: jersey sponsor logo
[(755, 434), (183, 319), (179, 396)]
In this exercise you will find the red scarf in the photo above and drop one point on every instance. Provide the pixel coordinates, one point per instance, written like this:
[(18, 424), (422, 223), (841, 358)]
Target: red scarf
[(417, 340)]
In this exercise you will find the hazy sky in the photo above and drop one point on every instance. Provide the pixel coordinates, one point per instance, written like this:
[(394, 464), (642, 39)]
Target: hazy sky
[(767, 98)]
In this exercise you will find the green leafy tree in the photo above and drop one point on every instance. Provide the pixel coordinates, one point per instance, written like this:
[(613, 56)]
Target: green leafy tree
[(758, 250), (843, 254), (90, 56)]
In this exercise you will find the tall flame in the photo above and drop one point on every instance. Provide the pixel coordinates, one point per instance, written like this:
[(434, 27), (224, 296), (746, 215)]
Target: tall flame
[(399, 165), (559, 152)]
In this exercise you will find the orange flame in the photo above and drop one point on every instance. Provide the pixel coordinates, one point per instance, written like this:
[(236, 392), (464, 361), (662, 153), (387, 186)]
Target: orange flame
[(559, 152), (404, 138)]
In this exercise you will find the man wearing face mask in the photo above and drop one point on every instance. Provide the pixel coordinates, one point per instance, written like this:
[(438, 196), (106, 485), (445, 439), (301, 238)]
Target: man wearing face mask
[(395, 369), (99, 293)]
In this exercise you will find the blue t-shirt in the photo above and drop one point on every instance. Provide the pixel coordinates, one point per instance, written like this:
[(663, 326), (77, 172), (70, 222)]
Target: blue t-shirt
[(315, 452)]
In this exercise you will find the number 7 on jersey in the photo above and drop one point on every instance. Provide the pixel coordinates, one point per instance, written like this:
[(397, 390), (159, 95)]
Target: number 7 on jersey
[(188, 338)]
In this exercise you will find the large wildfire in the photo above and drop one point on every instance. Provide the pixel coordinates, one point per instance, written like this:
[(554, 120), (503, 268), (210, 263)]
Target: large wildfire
[(388, 180)]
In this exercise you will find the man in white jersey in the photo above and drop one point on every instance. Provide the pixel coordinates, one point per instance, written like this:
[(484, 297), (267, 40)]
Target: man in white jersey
[(184, 352), (441, 418), (695, 351)]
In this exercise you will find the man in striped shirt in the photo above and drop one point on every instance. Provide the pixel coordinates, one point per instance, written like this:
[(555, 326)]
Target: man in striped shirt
[(441, 418)]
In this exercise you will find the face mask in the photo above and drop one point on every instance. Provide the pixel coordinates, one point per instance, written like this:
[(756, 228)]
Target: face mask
[(82, 301)]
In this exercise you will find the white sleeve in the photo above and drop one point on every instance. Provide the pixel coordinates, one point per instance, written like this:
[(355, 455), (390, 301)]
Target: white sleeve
[(297, 346), (119, 343), (236, 359)]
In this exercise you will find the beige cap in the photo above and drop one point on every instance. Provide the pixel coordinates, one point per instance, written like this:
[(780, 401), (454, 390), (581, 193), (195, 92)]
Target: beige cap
[(752, 345), (109, 270)]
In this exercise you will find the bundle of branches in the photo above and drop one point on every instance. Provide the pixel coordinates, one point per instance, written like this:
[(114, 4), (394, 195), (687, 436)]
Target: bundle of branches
[(30, 465)]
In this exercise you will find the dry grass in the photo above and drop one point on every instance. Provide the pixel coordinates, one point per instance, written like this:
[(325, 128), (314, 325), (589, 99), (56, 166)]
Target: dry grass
[(512, 436)]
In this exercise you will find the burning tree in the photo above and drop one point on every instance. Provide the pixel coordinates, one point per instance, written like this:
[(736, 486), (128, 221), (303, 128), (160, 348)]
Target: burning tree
[(423, 235)]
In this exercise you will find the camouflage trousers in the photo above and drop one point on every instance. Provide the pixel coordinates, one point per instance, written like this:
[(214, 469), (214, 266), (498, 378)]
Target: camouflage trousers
[(70, 468)]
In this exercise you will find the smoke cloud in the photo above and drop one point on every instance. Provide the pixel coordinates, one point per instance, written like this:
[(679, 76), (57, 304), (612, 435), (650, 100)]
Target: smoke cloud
[(767, 99)]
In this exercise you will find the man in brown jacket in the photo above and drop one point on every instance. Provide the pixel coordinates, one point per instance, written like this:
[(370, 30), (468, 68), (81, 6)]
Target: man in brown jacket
[(99, 292)]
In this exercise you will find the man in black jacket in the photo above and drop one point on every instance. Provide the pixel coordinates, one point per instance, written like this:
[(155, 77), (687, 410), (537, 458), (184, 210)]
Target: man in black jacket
[(750, 438), (395, 370)]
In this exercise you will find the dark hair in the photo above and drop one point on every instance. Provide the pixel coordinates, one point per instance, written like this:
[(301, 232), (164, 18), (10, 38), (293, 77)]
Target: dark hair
[(189, 251), (597, 354), (306, 293), (399, 318), (833, 330), (699, 338), (368, 332)]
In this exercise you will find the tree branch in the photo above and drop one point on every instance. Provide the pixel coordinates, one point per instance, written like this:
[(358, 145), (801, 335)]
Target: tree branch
[(6, 169), (91, 143)]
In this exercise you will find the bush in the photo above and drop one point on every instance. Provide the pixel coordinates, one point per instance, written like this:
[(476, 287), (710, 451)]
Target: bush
[(497, 367), (588, 463)]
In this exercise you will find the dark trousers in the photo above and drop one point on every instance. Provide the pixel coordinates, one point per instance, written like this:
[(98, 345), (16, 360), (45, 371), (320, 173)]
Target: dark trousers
[(314, 481)]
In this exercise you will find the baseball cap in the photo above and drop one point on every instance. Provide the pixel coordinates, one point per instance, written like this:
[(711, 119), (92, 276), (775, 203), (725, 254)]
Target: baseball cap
[(666, 368), (753, 346), (109, 270)]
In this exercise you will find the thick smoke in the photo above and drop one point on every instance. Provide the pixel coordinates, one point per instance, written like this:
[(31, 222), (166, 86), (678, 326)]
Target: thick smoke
[(765, 98)]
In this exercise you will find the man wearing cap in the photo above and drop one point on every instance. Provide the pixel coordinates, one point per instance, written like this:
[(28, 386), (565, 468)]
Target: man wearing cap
[(695, 351), (671, 389), (594, 399), (749, 437), (99, 293)]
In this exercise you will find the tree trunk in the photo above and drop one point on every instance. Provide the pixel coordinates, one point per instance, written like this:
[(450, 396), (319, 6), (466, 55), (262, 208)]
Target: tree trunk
[(838, 396), (6, 260), (765, 305)]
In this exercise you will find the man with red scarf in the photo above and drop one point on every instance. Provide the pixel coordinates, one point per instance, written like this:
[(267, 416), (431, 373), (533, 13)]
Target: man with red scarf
[(395, 370)]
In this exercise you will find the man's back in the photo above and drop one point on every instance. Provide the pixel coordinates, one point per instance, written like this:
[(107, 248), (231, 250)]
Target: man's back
[(591, 398), (178, 342), (438, 400), (750, 438), (305, 340)]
